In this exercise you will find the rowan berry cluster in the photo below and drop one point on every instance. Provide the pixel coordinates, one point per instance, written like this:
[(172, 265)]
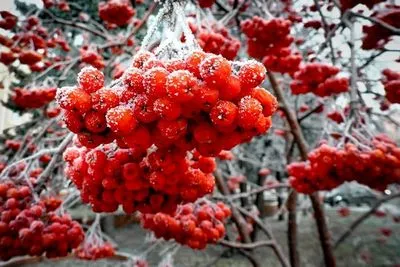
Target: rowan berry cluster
[(327, 167), (94, 252), (206, 3), (216, 39), (376, 36), (60, 4), (266, 37), (392, 85), (193, 224), (28, 57), (91, 57), (284, 61), (32, 228), (34, 97), (118, 12), (108, 176), (94, 247), (319, 79), (336, 116), (269, 40), (196, 103), (8, 20)]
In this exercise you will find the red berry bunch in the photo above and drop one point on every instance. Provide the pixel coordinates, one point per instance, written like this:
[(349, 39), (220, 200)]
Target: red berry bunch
[(314, 24), (118, 12), (108, 176), (8, 21), (319, 79), (343, 212), (31, 228), (196, 103), (347, 4), (95, 251), (92, 58), (336, 116), (392, 85), (234, 181), (217, 40), (30, 57), (193, 224), (327, 167), (283, 61), (206, 3), (266, 37), (7, 57), (34, 97), (376, 36), (86, 107)]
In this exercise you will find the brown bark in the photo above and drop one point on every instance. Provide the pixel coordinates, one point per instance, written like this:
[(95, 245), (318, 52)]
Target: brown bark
[(320, 219)]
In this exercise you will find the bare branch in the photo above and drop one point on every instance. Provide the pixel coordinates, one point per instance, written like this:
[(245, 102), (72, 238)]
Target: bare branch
[(362, 218)]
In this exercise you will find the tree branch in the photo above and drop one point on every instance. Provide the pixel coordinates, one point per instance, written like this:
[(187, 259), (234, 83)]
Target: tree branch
[(253, 245), (320, 219), (362, 218)]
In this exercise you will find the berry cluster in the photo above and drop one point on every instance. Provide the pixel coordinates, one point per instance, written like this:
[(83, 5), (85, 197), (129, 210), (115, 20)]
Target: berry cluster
[(194, 225), (118, 12), (206, 3), (108, 176), (336, 116), (94, 246), (269, 40), (8, 21), (284, 61), (392, 85), (376, 36), (266, 37), (33, 97), (319, 79), (94, 251), (91, 57), (327, 167), (32, 228), (197, 103), (217, 40)]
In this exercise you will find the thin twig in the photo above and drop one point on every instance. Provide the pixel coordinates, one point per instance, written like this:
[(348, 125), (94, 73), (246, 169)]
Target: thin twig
[(362, 218)]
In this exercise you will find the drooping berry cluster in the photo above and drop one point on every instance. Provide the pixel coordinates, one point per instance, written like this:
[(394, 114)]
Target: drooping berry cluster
[(319, 79), (284, 61), (8, 20), (392, 85), (91, 57), (269, 40), (216, 39), (376, 36), (194, 225), (266, 36), (197, 103), (336, 116), (108, 176), (31, 228), (94, 246), (94, 251), (34, 97), (206, 3), (327, 167), (118, 12)]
